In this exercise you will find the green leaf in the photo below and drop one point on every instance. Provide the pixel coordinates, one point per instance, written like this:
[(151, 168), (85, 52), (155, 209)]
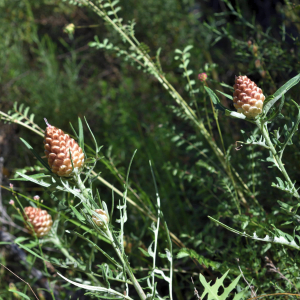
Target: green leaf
[(235, 114), (94, 139), (20, 239), (212, 290), (276, 240), (144, 252), (292, 131), (96, 246), (96, 288), (187, 48), (74, 131), (253, 140), (284, 186), (34, 180), (226, 95), (216, 101), (34, 176), (26, 111), (276, 112), (37, 155), (77, 214), (280, 92), (194, 255), (19, 293), (32, 252), (80, 136)]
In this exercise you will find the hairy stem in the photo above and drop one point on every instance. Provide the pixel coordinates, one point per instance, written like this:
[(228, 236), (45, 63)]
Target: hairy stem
[(264, 130), (127, 268)]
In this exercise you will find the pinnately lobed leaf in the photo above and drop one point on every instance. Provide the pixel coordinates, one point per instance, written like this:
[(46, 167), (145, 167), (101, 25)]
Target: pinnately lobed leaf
[(212, 290)]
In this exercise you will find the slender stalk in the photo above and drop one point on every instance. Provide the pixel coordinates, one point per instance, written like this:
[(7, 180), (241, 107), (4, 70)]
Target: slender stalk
[(155, 242), (264, 130), (190, 88), (8, 118), (171, 262), (172, 91), (127, 268), (109, 235), (46, 271), (207, 117), (218, 126), (82, 188)]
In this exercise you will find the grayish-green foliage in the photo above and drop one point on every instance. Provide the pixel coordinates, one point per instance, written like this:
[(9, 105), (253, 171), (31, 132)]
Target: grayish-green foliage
[(187, 129)]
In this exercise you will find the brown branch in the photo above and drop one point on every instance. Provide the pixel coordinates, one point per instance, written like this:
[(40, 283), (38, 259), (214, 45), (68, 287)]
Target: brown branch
[(21, 279), (276, 294)]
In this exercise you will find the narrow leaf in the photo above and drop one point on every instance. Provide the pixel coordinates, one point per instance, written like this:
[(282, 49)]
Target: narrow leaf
[(80, 136), (36, 155), (281, 91)]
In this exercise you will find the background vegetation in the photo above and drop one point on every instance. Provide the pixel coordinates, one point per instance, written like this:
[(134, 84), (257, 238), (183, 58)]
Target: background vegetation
[(60, 77)]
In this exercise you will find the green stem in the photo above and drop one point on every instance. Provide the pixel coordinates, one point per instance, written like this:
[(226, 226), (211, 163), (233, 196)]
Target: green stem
[(173, 92), (45, 269), (124, 261), (82, 188), (127, 268), (263, 128)]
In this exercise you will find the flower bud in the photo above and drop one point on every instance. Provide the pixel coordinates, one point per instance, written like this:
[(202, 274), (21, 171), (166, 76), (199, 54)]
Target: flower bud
[(202, 77), (40, 220), (97, 221), (58, 146), (247, 97), (69, 29), (257, 64), (254, 49)]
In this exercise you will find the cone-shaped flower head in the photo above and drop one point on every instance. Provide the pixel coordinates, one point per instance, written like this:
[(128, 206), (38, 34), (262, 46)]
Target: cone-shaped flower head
[(58, 146), (97, 221), (248, 99), (40, 220)]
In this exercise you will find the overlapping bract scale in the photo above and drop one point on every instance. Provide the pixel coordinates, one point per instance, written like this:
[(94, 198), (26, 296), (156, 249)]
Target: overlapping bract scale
[(40, 220), (247, 97), (58, 146)]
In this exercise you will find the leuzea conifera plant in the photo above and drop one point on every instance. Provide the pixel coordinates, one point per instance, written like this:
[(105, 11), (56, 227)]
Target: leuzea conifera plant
[(252, 106), (70, 172)]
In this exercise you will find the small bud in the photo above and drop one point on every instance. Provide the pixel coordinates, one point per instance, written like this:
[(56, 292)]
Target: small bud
[(36, 198), (97, 221), (247, 97), (254, 49), (257, 64), (249, 43), (11, 202), (15, 291), (11, 185), (263, 73), (40, 220), (69, 29), (202, 77), (128, 248)]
